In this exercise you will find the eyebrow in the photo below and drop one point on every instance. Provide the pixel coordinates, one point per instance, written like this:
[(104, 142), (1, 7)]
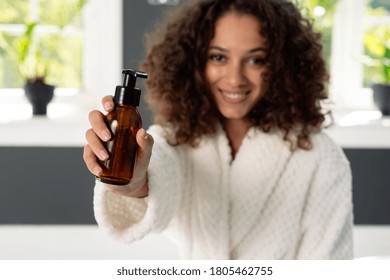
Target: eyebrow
[(261, 49)]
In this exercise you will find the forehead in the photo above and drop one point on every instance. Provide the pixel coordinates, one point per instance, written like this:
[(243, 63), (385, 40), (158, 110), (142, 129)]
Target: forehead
[(238, 29)]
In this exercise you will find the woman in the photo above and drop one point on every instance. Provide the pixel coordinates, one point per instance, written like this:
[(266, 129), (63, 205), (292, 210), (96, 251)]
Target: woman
[(236, 166)]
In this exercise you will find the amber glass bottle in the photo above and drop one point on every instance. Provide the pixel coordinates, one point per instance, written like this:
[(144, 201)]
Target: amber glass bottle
[(124, 122)]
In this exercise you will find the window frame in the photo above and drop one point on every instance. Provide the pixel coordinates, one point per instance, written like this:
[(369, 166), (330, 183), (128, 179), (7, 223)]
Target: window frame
[(103, 50)]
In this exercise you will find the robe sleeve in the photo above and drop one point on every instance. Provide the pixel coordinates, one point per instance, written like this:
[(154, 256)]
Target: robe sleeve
[(327, 221), (129, 219)]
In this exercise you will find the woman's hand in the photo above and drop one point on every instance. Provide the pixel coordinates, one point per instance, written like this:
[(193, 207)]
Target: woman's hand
[(95, 150)]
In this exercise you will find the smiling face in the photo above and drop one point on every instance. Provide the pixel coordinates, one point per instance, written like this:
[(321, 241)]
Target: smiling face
[(236, 64)]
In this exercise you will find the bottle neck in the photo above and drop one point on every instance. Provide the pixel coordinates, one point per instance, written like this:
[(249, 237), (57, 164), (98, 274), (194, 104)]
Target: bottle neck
[(126, 107), (128, 96)]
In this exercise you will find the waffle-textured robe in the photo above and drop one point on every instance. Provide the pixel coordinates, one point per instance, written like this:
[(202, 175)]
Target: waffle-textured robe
[(267, 203)]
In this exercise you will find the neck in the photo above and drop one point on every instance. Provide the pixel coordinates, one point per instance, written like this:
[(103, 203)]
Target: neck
[(236, 131)]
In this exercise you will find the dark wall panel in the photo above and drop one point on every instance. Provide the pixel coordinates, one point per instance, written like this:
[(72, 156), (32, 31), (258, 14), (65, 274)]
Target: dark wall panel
[(45, 186), (371, 185), (53, 186)]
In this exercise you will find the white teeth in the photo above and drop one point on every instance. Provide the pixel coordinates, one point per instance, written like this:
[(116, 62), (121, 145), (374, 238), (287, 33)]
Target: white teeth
[(233, 95)]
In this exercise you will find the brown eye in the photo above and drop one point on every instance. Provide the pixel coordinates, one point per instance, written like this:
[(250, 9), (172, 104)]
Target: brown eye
[(257, 61), (217, 57)]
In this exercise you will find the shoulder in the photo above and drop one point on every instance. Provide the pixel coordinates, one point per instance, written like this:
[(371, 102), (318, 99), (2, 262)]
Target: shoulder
[(323, 143), (162, 133), (326, 149), (156, 130)]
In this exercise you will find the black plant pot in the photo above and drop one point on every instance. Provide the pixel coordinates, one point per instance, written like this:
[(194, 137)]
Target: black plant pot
[(381, 94), (39, 94)]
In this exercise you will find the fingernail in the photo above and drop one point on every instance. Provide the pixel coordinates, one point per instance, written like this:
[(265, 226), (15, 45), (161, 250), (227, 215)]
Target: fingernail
[(103, 155), (146, 135), (106, 135), (107, 106), (97, 171)]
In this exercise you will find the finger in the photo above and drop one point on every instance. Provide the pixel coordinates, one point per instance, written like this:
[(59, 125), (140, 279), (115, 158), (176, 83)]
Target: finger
[(90, 161), (96, 145), (99, 126), (108, 103), (145, 142)]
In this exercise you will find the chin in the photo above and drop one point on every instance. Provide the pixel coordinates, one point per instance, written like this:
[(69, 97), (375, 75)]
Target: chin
[(233, 115)]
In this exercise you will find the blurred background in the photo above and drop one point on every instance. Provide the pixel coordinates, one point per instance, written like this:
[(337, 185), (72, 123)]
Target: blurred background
[(80, 48)]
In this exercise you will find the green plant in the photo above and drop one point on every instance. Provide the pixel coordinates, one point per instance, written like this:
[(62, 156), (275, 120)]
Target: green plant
[(39, 55), (377, 44), (33, 65)]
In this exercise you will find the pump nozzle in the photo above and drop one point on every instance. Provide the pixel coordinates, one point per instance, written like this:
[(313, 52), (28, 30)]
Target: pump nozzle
[(128, 94), (130, 77)]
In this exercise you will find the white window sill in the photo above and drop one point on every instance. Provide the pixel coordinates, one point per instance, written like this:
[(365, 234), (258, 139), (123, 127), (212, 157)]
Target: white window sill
[(67, 122), (64, 125), (361, 129)]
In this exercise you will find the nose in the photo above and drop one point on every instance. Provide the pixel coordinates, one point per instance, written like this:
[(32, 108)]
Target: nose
[(235, 74)]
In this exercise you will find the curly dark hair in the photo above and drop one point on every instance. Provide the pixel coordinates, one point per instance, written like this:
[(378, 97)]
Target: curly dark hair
[(177, 55)]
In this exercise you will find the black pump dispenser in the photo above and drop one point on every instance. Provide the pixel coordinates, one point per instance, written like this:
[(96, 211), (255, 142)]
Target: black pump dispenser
[(128, 94)]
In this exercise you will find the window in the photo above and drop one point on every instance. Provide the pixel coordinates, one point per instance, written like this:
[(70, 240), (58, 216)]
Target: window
[(348, 28), (376, 41), (41, 38), (101, 65), (350, 76), (89, 56)]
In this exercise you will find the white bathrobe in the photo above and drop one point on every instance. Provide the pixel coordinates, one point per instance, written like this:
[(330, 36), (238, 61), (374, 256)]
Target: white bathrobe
[(266, 203)]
